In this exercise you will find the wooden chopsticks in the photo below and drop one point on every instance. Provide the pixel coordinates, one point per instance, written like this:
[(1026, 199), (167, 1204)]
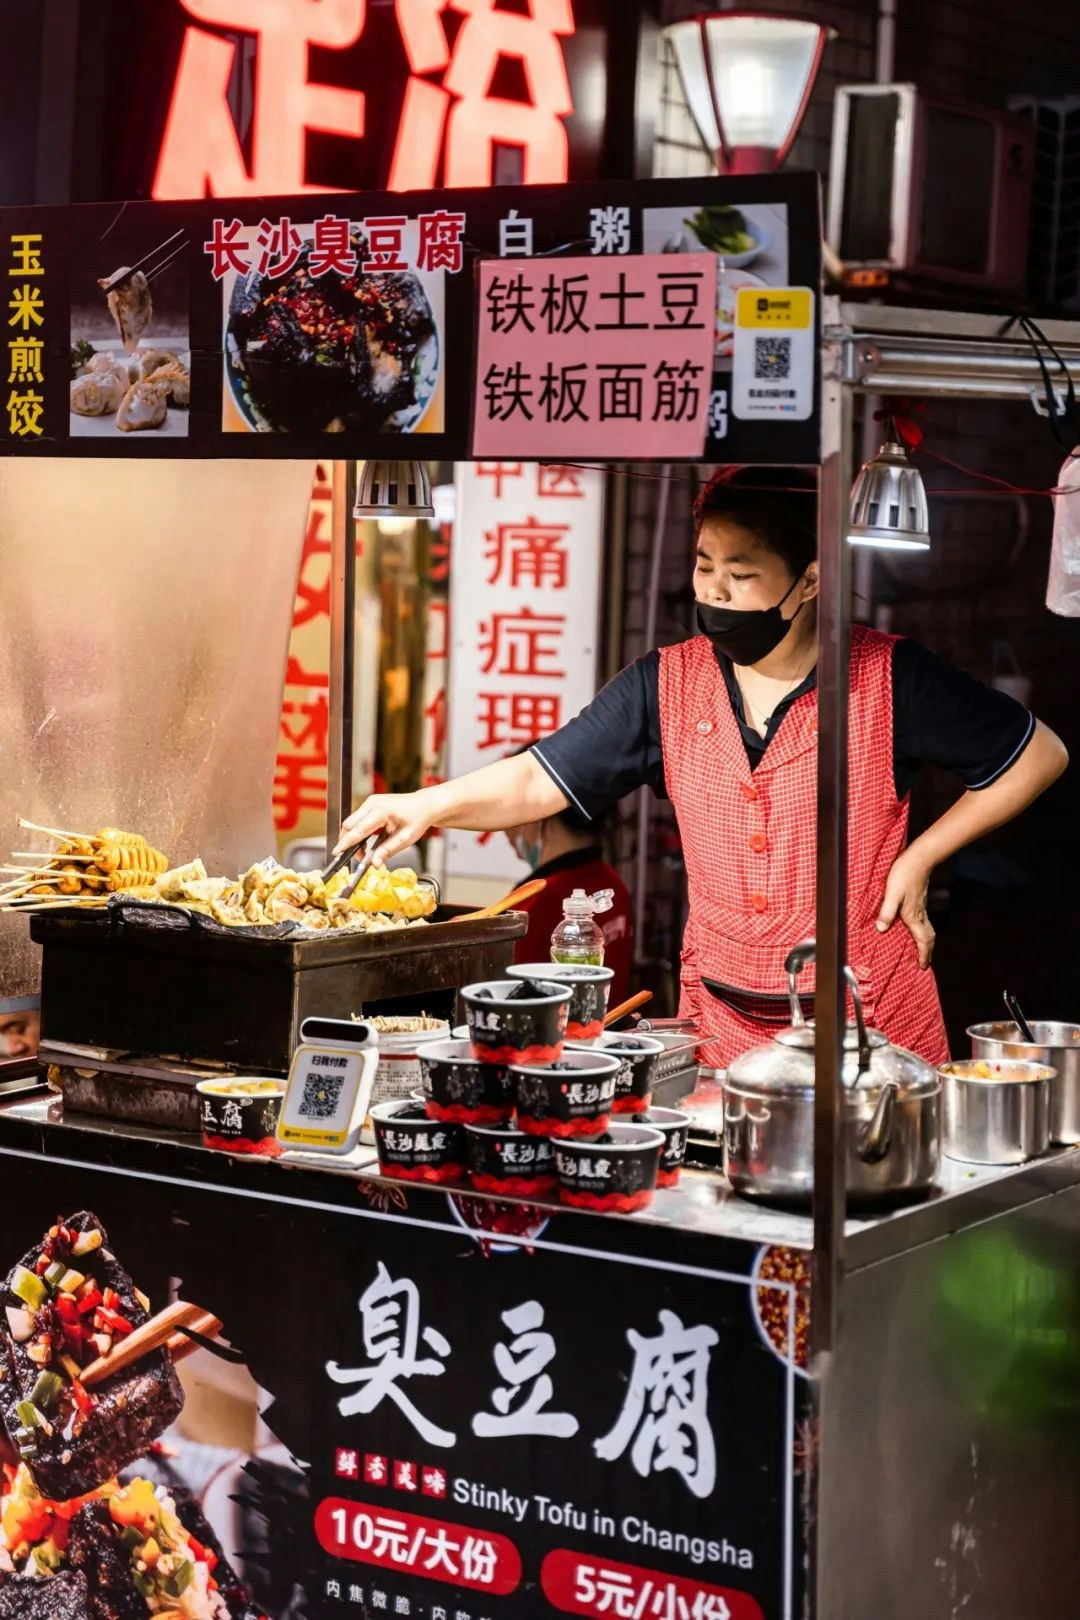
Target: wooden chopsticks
[(627, 1007), (161, 1332)]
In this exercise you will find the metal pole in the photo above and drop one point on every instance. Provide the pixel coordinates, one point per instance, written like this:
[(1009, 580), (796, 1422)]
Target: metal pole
[(339, 747), (832, 812)]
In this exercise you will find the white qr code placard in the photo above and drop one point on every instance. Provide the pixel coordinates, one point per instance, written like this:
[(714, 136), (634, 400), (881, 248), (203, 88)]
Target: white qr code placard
[(773, 367), (329, 1088)]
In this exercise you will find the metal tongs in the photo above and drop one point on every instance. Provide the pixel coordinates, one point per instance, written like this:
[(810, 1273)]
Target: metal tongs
[(368, 857)]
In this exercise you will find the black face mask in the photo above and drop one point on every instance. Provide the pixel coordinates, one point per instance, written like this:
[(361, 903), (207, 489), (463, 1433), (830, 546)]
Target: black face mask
[(746, 635)]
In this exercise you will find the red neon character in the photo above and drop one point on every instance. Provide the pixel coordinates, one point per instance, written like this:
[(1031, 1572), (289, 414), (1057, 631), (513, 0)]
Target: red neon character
[(438, 630), (280, 247), (332, 250), (306, 726), (201, 153), (534, 552), (441, 247), (499, 471), (313, 585), (226, 250), (460, 119), (299, 785), (435, 713), (553, 480), (509, 719), (515, 642), (385, 244)]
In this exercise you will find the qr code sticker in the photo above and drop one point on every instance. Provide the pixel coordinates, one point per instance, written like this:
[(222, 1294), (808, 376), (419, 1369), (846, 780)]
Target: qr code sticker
[(322, 1093), (772, 359)]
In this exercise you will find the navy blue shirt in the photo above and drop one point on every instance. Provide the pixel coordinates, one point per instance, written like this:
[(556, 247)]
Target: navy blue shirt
[(941, 716)]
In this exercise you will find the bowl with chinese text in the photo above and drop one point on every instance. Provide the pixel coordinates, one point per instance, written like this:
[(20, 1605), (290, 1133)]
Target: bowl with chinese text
[(241, 1115), (591, 987), (616, 1172), (459, 1088), (517, 1020), (503, 1160), (412, 1147), (639, 1057), (571, 1097), (674, 1127)]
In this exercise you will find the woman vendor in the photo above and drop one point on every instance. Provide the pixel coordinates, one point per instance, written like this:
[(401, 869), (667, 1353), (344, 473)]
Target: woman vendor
[(725, 725)]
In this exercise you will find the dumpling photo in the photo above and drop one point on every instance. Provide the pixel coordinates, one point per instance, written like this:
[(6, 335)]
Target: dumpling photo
[(97, 393), (131, 306), (143, 406)]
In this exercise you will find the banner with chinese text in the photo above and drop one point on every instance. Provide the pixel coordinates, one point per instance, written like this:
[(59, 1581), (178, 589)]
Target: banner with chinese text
[(524, 622), (454, 1409), (350, 323)]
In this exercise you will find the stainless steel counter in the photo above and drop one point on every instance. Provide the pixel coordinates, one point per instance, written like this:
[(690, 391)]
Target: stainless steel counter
[(966, 1196)]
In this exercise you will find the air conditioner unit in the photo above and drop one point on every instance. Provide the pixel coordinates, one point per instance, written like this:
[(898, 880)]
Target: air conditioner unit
[(1055, 214), (931, 189)]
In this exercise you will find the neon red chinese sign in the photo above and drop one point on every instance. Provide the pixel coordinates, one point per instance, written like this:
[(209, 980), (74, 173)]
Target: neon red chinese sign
[(451, 117)]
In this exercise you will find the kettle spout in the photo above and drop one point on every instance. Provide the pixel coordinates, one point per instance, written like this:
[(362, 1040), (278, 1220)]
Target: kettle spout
[(876, 1136)]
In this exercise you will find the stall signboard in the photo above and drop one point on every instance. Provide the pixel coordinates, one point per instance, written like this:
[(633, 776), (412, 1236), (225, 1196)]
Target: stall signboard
[(461, 1410), (364, 323), (524, 622), (300, 772), (604, 356)]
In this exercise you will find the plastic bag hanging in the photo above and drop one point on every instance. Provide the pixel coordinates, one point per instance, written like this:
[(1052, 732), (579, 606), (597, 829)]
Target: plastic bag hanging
[(1063, 586)]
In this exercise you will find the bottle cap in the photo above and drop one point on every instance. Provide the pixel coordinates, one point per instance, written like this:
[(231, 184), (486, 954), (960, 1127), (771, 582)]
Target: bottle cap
[(581, 904)]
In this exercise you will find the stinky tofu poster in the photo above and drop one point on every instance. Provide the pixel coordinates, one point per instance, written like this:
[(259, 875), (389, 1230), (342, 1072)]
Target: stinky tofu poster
[(438, 1406)]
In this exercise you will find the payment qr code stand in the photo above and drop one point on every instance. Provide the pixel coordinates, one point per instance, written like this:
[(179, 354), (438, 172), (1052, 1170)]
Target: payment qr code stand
[(430, 1387)]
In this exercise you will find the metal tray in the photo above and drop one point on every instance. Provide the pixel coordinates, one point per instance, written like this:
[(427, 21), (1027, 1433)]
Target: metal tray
[(143, 979)]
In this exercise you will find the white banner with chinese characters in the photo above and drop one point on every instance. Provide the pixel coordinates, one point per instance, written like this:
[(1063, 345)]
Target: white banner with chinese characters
[(524, 622)]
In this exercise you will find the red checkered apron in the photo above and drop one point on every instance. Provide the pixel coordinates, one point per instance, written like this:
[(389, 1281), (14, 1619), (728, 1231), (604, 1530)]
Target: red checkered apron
[(750, 845)]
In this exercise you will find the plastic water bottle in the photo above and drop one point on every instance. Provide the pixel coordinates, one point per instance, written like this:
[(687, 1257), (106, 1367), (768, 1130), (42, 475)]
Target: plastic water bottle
[(578, 940)]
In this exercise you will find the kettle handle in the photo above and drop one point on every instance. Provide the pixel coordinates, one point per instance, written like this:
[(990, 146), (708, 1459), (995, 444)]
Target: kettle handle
[(798, 958)]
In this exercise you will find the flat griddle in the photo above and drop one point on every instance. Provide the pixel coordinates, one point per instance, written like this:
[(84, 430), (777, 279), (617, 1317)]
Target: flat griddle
[(157, 980)]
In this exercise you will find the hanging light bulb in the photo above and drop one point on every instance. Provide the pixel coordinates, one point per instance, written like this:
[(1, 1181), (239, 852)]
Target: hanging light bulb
[(393, 489), (888, 501)]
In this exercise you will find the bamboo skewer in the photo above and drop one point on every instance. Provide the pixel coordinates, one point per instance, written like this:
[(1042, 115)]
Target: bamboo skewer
[(53, 855), (52, 832)]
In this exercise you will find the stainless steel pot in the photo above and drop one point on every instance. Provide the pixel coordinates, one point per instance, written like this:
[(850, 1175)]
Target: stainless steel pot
[(1057, 1045), (891, 1105), (996, 1117)]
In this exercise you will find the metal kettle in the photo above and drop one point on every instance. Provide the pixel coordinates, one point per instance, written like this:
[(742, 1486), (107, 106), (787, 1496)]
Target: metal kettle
[(891, 1111)]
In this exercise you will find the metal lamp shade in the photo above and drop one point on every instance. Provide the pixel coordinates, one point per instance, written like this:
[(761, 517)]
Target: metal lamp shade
[(888, 503), (747, 80), (389, 489)]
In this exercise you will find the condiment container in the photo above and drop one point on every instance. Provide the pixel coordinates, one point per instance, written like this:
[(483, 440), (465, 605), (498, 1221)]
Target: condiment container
[(397, 1077), (241, 1115), (458, 1087), (674, 1127), (1058, 1046), (412, 1147), (570, 1098), (591, 987), (509, 1025), (639, 1058), (617, 1172), (996, 1113), (578, 938), (504, 1160)]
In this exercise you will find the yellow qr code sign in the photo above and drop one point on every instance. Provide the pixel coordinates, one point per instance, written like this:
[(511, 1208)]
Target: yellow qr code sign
[(787, 308)]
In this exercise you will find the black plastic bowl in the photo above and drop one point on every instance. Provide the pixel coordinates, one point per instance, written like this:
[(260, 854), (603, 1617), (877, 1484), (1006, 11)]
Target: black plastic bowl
[(674, 1127), (617, 1172), (639, 1056), (504, 1028), (412, 1147), (591, 987), (570, 1098), (502, 1160), (461, 1089)]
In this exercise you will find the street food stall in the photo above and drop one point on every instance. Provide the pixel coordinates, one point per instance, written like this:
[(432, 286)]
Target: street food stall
[(531, 1342)]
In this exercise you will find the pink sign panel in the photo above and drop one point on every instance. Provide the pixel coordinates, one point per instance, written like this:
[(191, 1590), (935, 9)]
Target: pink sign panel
[(609, 357)]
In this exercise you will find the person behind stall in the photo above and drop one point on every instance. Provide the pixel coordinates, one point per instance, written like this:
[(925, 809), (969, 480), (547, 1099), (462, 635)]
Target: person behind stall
[(20, 1032), (725, 724), (565, 850)]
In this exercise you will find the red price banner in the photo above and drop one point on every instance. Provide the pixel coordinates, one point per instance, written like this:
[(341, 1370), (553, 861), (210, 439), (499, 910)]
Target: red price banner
[(451, 1553), (578, 1583)]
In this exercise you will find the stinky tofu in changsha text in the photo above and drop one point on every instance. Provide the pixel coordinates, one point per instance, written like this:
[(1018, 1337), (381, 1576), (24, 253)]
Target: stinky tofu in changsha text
[(67, 1302)]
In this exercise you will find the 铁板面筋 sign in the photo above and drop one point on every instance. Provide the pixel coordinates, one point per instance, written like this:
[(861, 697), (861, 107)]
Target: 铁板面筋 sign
[(597, 357)]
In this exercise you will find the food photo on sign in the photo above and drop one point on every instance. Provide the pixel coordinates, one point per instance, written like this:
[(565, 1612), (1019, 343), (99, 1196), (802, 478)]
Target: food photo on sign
[(130, 372), (335, 327)]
